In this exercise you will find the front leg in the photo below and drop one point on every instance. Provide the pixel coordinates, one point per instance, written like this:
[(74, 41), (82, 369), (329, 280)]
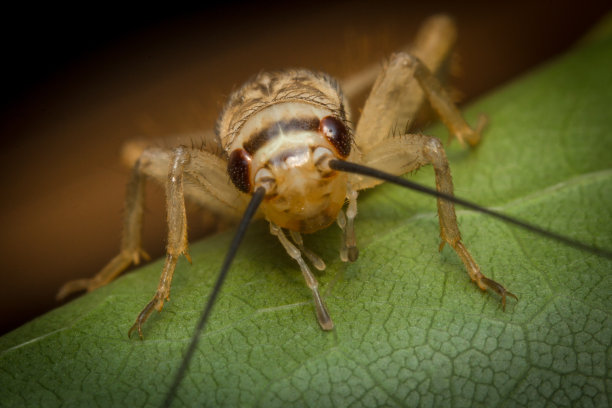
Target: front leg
[(410, 152), (177, 235), (348, 248)]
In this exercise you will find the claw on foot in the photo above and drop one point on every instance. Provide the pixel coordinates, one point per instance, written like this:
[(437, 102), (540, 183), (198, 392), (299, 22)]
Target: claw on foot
[(323, 317), (144, 315), (499, 289), (468, 135), (137, 326)]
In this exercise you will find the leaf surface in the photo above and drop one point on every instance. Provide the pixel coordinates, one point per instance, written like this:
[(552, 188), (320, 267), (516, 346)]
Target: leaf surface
[(411, 329)]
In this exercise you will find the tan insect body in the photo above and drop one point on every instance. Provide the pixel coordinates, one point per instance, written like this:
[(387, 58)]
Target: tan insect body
[(280, 131)]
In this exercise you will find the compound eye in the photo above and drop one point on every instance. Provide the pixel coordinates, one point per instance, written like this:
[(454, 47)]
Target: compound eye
[(239, 170), (337, 134)]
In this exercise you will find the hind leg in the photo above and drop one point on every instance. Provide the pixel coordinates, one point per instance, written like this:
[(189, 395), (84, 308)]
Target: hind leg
[(131, 250), (408, 153)]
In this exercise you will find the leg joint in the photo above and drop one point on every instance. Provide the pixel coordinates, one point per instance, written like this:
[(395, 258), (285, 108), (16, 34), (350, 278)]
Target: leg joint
[(433, 149), (403, 59)]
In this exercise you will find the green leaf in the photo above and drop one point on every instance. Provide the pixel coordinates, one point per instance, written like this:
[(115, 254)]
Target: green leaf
[(411, 329)]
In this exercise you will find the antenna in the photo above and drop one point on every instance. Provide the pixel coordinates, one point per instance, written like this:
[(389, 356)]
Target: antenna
[(351, 167)]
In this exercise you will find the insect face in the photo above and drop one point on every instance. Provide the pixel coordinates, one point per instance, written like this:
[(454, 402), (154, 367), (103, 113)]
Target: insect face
[(304, 197), (285, 148), (279, 130)]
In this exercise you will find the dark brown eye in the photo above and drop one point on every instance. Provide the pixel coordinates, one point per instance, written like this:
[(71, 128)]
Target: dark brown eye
[(337, 134), (239, 170)]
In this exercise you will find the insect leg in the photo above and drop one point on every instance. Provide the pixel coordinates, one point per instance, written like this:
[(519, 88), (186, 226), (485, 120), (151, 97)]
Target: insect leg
[(315, 259), (434, 153), (411, 152), (131, 251), (177, 235), (348, 248), (443, 105), (394, 101), (325, 321)]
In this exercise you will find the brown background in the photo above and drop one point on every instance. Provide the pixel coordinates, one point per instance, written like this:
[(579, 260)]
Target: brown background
[(77, 87)]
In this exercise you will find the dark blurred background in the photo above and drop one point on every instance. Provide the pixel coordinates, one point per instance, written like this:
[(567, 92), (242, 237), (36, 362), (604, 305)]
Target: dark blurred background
[(77, 82)]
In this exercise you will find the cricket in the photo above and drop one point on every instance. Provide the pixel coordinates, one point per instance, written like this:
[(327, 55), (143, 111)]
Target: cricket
[(286, 149)]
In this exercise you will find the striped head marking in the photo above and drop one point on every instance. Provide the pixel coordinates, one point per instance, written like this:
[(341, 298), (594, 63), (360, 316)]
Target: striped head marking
[(281, 137)]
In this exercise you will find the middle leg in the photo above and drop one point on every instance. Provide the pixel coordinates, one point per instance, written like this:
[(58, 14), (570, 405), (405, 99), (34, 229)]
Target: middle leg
[(177, 235)]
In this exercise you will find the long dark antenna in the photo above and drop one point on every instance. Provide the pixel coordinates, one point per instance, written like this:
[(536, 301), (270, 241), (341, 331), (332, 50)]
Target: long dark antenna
[(351, 167), (246, 218)]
